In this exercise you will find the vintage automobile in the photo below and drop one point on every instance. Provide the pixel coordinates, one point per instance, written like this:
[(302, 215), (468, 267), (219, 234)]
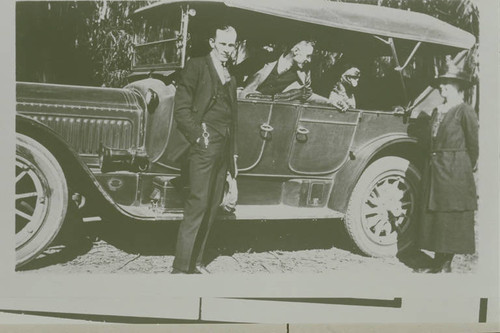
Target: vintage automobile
[(96, 150)]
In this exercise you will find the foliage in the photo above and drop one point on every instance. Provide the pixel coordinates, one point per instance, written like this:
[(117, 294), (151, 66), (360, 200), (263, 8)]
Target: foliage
[(46, 48), (74, 42), (460, 13), (109, 38)]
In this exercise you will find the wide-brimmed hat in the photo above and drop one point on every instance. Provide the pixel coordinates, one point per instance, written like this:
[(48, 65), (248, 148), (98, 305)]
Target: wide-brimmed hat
[(454, 72)]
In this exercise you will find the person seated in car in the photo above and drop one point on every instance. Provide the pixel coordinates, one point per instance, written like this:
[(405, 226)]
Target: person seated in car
[(256, 57), (287, 78), (342, 94)]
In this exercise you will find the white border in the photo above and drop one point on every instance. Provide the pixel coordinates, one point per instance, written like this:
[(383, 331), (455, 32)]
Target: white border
[(51, 289)]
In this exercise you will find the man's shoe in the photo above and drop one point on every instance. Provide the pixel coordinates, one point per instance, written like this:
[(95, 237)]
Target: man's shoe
[(177, 271), (423, 270), (445, 267), (201, 269)]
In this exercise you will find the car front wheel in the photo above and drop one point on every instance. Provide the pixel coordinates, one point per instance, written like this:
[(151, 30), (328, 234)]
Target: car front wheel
[(41, 198), (380, 217)]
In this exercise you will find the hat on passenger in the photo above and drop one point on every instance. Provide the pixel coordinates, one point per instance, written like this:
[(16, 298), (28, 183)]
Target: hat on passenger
[(352, 72), (453, 72)]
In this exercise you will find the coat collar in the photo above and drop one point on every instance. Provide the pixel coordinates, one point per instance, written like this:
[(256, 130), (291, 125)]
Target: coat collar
[(215, 79), (213, 73)]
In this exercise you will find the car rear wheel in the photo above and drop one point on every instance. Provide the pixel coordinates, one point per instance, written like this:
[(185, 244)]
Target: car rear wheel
[(380, 216), (41, 198)]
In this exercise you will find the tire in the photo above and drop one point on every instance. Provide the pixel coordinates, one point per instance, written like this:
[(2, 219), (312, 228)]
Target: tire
[(380, 217), (41, 198)]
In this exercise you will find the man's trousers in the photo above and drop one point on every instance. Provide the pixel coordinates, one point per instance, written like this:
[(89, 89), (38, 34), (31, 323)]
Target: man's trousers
[(207, 174)]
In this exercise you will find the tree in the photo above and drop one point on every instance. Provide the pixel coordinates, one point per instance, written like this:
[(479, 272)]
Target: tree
[(74, 42), (109, 39)]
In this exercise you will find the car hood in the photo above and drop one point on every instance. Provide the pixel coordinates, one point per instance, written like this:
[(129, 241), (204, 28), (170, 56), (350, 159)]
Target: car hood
[(77, 96)]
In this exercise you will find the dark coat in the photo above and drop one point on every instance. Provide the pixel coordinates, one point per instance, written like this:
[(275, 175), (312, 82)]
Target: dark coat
[(196, 93), (448, 177)]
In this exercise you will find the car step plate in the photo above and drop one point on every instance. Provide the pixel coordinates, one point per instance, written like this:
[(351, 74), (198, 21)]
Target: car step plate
[(245, 212)]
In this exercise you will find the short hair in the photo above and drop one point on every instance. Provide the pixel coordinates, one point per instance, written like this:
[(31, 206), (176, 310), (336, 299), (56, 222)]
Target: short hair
[(222, 27), (460, 85), (303, 43)]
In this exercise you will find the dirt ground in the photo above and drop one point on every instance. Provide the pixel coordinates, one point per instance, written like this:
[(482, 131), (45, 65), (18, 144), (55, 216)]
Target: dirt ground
[(237, 247)]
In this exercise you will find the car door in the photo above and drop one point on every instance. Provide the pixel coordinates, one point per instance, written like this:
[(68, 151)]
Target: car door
[(264, 136), (263, 146), (322, 139), (253, 132)]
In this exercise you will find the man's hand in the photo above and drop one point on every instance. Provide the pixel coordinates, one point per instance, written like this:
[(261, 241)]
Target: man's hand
[(339, 104), (306, 93), (298, 94), (342, 105)]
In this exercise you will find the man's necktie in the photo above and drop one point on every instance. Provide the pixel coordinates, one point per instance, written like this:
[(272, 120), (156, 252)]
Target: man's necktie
[(225, 71)]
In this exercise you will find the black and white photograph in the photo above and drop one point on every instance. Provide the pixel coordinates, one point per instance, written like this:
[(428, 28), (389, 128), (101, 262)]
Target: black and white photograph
[(246, 158)]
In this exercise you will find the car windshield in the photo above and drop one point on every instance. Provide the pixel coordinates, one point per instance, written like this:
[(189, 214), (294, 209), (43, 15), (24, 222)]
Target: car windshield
[(158, 42)]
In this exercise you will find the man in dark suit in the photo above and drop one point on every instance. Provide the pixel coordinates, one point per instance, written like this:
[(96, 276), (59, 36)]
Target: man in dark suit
[(206, 113)]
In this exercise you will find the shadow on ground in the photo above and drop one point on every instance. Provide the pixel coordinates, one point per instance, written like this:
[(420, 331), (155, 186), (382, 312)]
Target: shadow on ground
[(228, 237), (74, 240)]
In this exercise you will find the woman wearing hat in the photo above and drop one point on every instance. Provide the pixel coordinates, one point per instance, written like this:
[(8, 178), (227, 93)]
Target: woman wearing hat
[(449, 193)]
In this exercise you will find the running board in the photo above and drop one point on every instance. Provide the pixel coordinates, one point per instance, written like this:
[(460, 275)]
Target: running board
[(242, 212), (283, 212)]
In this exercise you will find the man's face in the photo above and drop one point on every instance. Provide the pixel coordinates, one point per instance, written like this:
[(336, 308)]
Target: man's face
[(302, 55), (224, 44)]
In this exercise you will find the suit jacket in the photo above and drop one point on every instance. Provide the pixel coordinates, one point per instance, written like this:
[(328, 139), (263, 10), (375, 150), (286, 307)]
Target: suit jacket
[(448, 176), (196, 94)]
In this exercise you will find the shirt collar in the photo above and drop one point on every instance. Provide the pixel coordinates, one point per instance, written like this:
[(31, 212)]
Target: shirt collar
[(283, 64), (218, 67)]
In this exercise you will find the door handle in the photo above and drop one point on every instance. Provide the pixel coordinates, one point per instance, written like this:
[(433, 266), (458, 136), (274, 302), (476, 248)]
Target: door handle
[(302, 130), (301, 134), (265, 130), (266, 127)]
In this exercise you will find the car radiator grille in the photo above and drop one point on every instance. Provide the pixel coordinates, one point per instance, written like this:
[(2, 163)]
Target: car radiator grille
[(85, 134)]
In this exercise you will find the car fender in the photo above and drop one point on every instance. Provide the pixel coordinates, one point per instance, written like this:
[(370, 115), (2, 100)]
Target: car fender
[(78, 175), (348, 175)]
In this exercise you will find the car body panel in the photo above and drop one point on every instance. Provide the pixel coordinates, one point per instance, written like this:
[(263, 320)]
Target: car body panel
[(158, 121), (326, 146), (251, 116), (275, 144), (283, 120), (346, 178), (376, 125), (78, 173), (84, 116)]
